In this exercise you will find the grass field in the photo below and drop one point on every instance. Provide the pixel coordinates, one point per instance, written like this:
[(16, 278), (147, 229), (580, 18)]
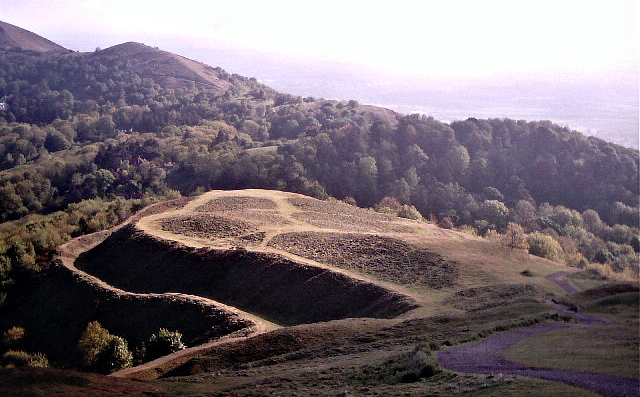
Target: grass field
[(609, 348)]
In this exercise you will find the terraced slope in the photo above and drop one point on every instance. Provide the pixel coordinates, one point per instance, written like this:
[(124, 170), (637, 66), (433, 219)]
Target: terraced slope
[(265, 259), (219, 247)]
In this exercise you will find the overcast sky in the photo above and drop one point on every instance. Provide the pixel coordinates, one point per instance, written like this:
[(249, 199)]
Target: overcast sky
[(448, 38)]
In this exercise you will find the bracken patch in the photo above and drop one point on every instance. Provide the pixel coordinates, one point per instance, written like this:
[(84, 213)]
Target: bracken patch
[(235, 203), (206, 226), (383, 257)]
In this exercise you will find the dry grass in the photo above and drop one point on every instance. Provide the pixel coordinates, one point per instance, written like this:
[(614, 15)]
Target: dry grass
[(338, 215), (490, 296), (606, 271), (383, 257)]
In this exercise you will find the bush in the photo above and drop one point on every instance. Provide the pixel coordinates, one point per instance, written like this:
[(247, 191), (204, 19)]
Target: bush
[(544, 246), (38, 360), (388, 205), (468, 230), (12, 337), (19, 358), (409, 212), (163, 343), (114, 356), (577, 260), (407, 367), (410, 367), (101, 351), (446, 223)]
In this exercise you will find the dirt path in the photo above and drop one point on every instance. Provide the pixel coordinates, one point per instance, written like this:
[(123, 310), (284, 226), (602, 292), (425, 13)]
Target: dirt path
[(483, 357), (70, 251), (559, 278), (154, 369), (150, 225)]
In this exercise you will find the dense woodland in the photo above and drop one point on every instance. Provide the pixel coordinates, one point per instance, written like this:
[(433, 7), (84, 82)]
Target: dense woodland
[(89, 138)]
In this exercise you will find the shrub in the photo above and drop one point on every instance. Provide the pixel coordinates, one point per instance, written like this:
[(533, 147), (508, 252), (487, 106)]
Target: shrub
[(468, 230), (164, 343), (409, 367), (544, 246), (577, 260), (446, 223), (13, 336), (409, 212), (19, 358), (351, 201), (493, 235), (101, 351), (15, 358), (38, 360), (388, 205), (114, 356)]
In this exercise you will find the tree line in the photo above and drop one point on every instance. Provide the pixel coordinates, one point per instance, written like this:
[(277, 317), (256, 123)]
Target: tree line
[(87, 139)]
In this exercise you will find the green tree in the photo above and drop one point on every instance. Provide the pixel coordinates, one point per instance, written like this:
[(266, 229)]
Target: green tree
[(101, 351), (495, 212), (93, 340)]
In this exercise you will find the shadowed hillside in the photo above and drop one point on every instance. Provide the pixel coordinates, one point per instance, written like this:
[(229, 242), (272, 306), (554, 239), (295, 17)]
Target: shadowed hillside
[(278, 289)]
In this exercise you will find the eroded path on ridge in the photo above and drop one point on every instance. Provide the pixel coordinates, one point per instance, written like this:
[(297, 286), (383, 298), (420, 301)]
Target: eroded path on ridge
[(483, 357), (272, 216), (68, 253)]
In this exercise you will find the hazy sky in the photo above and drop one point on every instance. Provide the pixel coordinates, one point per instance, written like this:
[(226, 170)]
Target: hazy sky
[(452, 38)]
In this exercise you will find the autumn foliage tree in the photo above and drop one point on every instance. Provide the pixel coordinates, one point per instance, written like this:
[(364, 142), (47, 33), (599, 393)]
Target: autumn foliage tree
[(515, 237)]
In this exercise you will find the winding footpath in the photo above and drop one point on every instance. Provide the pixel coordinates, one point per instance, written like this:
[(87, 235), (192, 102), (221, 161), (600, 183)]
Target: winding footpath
[(483, 357), (68, 253)]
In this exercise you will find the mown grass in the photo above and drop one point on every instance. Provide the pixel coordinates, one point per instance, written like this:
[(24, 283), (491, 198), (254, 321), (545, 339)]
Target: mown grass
[(610, 348)]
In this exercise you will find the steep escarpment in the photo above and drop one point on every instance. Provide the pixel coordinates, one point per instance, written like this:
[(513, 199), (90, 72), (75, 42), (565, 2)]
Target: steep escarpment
[(270, 285)]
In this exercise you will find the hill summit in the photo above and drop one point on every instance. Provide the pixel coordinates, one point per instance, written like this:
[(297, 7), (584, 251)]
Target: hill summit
[(165, 67), (12, 37)]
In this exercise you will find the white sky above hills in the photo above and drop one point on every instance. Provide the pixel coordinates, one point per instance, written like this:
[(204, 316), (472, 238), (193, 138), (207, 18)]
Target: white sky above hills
[(435, 39)]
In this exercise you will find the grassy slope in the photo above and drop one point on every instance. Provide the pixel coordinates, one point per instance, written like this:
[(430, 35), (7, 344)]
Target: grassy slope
[(610, 348)]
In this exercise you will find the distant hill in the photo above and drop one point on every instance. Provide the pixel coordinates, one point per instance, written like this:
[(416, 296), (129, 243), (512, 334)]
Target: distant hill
[(169, 69), (12, 37)]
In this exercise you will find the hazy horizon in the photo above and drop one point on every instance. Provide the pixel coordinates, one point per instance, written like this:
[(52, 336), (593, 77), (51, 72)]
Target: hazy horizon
[(575, 63)]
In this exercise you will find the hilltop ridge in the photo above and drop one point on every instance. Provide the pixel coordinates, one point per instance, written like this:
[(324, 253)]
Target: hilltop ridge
[(12, 36), (171, 69)]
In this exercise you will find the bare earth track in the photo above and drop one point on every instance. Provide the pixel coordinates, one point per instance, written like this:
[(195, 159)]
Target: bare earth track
[(483, 357)]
